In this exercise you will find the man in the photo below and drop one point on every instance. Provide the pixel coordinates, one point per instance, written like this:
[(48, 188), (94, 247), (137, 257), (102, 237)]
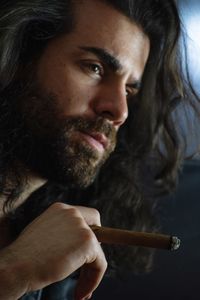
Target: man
[(80, 80)]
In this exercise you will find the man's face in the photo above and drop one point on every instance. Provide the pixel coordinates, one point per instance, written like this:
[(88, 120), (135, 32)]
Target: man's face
[(78, 98)]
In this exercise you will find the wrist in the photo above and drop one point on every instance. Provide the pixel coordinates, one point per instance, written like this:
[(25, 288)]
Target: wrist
[(13, 279)]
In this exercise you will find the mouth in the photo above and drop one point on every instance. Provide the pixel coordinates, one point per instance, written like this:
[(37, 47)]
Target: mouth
[(96, 140)]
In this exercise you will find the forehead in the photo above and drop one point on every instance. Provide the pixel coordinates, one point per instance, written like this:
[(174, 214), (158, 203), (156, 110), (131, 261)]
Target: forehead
[(100, 25)]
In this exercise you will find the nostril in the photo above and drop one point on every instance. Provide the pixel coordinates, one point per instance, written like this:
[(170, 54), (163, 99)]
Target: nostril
[(107, 114)]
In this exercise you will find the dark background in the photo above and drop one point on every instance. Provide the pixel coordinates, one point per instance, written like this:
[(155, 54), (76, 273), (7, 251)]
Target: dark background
[(176, 275)]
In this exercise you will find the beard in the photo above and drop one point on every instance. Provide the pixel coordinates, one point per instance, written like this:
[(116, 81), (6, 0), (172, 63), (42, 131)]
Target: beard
[(50, 143)]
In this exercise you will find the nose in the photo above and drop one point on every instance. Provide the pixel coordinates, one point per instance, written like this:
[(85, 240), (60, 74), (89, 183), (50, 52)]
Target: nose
[(111, 103)]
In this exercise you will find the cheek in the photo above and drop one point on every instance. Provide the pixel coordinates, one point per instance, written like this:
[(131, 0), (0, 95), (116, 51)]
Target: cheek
[(72, 94), (73, 98)]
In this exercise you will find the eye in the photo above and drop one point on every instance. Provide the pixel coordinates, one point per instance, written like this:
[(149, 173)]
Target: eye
[(130, 92), (97, 69), (93, 68)]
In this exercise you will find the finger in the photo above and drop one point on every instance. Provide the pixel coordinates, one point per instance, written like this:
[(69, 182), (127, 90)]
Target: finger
[(90, 276), (90, 215)]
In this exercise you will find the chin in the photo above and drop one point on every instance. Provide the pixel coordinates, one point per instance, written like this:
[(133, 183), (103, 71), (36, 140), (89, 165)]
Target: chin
[(72, 180), (75, 176)]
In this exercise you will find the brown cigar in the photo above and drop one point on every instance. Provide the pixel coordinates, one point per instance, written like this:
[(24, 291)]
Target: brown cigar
[(144, 239)]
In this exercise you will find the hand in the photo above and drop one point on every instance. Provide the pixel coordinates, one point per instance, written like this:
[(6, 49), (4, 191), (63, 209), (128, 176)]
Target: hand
[(56, 244)]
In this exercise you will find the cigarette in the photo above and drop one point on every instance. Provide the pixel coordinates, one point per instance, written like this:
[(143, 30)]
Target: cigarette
[(132, 238)]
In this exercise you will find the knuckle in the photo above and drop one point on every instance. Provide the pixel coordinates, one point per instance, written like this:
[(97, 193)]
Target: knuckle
[(66, 209), (96, 215), (73, 211), (104, 264), (89, 242), (88, 236), (57, 206)]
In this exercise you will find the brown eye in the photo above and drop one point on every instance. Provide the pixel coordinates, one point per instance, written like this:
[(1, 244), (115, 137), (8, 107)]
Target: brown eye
[(130, 92), (96, 68), (93, 68)]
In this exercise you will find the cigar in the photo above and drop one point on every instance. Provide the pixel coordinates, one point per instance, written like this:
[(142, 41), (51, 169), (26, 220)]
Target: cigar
[(126, 237)]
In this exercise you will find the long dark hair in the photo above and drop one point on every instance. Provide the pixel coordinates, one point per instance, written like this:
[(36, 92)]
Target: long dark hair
[(148, 138)]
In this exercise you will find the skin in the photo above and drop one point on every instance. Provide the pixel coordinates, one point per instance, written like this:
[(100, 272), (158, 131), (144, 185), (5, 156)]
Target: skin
[(93, 90)]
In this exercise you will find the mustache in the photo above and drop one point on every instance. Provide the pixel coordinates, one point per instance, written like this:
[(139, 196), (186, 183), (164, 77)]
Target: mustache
[(98, 125)]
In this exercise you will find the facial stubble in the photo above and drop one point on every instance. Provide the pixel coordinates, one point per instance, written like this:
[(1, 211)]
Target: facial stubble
[(50, 148)]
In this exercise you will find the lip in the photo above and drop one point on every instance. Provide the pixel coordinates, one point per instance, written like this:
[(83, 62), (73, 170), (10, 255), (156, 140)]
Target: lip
[(97, 139)]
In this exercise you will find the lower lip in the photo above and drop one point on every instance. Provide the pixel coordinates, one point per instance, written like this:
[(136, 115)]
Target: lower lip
[(92, 142)]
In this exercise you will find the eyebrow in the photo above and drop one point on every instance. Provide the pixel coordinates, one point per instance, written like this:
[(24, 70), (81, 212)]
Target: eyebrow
[(111, 61), (105, 56)]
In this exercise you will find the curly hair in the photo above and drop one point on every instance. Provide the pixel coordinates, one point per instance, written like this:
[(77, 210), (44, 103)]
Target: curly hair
[(148, 142)]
